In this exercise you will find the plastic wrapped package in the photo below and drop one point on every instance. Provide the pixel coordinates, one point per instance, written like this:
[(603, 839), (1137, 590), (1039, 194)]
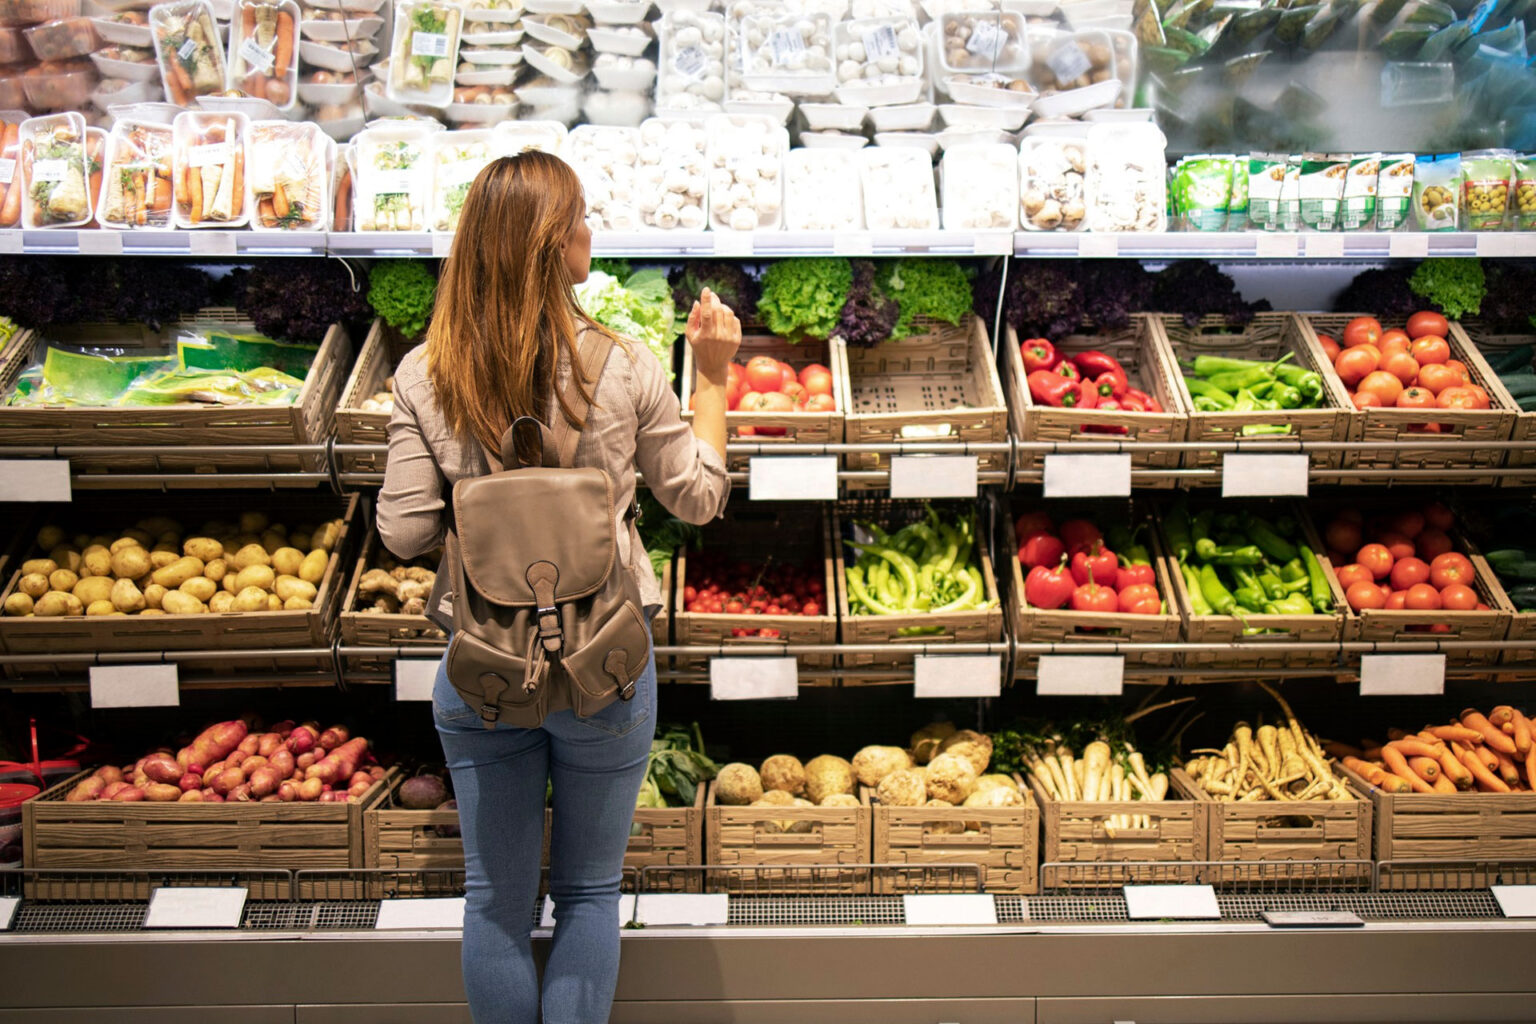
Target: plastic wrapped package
[(879, 62), (55, 172), (457, 158), (341, 189), (1357, 210), (1394, 190), (12, 183), (564, 65), (263, 41), (672, 183), (13, 46), (898, 189), (393, 177), (822, 191), (1486, 175), (95, 160), (618, 12), (137, 64), (1436, 183), (1320, 188), (981, 187), (1200, 192), (62, 39), (624, 40), (1052, 170), (783, 53), (13, 91), (691, 72), (1074, 72), (189, 50), (481, 106), (746, 173), (1125, 187), (337, 26), (30, 12), (614, 71), (288, 169), (971, 42), (424, 52), (59, 85), (1127, 63), (1523, 204), (606, 159), (623, 108), (137, 178), (210, 169), (513, 137)]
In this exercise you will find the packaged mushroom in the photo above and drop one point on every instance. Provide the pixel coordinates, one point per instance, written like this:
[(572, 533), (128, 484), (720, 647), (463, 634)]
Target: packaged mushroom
[(821, 190), (514, 137), (898, 189), (606, 159), (746, 181), (1066, 62), (672, 184), (980, 187), (1051, 174), (457, 158), (1126, 187), (691, 74), (879, 61), (972, 42), (786, 53)]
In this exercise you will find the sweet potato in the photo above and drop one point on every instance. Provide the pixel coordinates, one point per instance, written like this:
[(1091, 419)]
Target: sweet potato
[(340, 763), (214, 743), (163, 768)]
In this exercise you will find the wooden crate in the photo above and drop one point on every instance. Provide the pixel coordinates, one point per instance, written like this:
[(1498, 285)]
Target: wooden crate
[(835, 843), (1145, 433), (230, 836), (1290, 832), (1267, 336), (1005, 842), (1065, 626), (759, 534), (798, 427), (308, 420), (372, 629), (1369, 427), (983, 626), (1485, 827), (1489, 343), (376, 361), (1077, 831), (937, 385), (255, 630), (668, 837), (1228, 629)]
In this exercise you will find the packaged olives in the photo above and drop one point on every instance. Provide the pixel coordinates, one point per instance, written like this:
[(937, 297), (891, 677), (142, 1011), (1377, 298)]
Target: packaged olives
[(1358, 211), (1394, 190), (1237, 206), (1201, 189), (1525, 192), (1485, 177), (1266, 176), (1320, 190), (1436, 180)]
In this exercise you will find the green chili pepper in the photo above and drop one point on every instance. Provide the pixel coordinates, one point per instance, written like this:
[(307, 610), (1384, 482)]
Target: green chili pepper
[(1177, 528), (1317, 581), (1293, 570), (856, 587), (1216, 593), (1302, 379), (1263, 536), (1248, 554), (1264, 429), (1203, 389), (1237, 380), (1198, 605)]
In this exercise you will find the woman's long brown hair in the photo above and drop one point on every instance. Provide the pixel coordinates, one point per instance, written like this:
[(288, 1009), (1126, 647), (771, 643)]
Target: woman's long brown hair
[(505, 305)]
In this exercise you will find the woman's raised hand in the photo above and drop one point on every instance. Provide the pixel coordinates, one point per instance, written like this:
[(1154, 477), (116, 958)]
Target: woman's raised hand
[(714, 334)]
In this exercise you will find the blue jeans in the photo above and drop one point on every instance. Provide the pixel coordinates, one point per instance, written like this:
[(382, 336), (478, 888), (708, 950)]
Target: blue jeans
[(595, 765)]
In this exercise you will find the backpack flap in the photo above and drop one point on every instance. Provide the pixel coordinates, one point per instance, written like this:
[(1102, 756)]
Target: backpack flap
[(610, 662)]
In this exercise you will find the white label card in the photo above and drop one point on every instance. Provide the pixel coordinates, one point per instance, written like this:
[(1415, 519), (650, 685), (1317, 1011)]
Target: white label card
[(1402, 675), (933, 476), (1325, 246), (187, 49), (50, 170), (1312, 919), (1067, 61), (689, 62), (99, 243), (429, 44), (1080, 675), (1088, 476), (8, 907), (414, 678), (853, 243), (34, 479), (212, 243), (733, 243), (256, 56), (11, 241), (208, 154), (1497, 243), (968, 909), (626, 911), (792, 478), (134, 686), (786, 42), (420, 915), (1091, 246), (7, 170), (957, 675), (195, 908), (442, 245), (880, 42), (1275, 246), (1175, 902), (1263, 476), (1515, 900), (993, 243), (1410, 244), (753, 678), (675, 909), (987, 40)]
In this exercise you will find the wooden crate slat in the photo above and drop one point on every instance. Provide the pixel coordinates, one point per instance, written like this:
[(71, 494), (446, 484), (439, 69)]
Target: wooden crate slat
[(742, 836), (1076, 831), (354, 425), (1006, 844)]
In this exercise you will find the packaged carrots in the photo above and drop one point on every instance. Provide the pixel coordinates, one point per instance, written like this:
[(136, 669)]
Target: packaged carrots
[(55, 172), (262, 38), (290, 173), (210, 165), (136, 190), (188, 48), (10, 170)]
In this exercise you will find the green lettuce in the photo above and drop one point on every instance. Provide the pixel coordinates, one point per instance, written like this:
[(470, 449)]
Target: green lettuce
[(638, 307)]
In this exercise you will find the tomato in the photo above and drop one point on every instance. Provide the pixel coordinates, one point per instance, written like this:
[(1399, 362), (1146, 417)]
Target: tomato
[(1140, 599), (817, 380), (1078, 534), (1458, 597), (1365, 400), (746, 431), (763, 374), (1436, 514), (1436, 377), (1451, 567), (1394, 341), (1458, 397), (1400, 546), (1354, 364), (751, 401), (1032, 522), (1396, 601), (1422, 598), (1094, 597), (796, 392), (821, 403), (1424, 428), (1416, 398), (1043, 548), (778, 401), (1377, 560), (1483, 401), (787, 376), (1402, 366), (1342, 535), (1409, 524), (1362, 330), (811, 370), (1427, 323), (1357, 573), (1330, 346), (1430, 349), (1408, 571), (1365, 595), (1431, 544), (1383, 385)]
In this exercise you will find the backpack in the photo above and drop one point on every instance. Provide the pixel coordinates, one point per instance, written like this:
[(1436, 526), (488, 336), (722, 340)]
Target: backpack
[(544, 616)]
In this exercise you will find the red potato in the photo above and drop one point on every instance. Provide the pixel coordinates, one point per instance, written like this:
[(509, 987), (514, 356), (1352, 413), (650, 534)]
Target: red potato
[(311, 789), (163, 768), (359, 776), (283, 728), (341, 762), (250, 745), (288, 790), (253, 762), (302, 739), (227, 780), (376, 772), (210, 797), (358, 789), (109, 773), (235, 757), (128, 795), (334, 737), (282, 759), (162, 792), (210, 771), (240, 794), (114, 788), (213, 743), (269, 744), (332, 797), (270, 798), (189, 782), (264, 781), (87, 790), (191, 796), (303, 761)]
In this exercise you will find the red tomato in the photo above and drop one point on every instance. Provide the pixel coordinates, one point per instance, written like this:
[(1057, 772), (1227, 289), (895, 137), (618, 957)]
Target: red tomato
[(1032, 522), (1356, 363), (1400, 546), (1077, 534), (1416, 398), (763, 374), (1343, 535), (1408, 571), (817, 380), (1140, 599), (1330, 347), (1479, 393), (1362, 330), (1365, 400), (1438, 516), (1458, 597), (1437, 377), (1431, 544), (778, 401), (1394, 341), (1094, 597), (735, 384), (811, 370), (1430, 349), (1449, 568), (1355, 573), (1043, 548), (1396, 601), (1460, 369), (1365, 595), (1422, 598), (1377, 560), (787, 376), (1384, 385), (821, 403), (751, 401), (796, 392), (1409, 524), (1427, 323), (1402, 366), (1459, 397)]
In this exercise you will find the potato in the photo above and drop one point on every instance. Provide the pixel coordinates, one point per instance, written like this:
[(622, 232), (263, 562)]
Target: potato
[(162, 557), (177, 603), (253, 522), (297, 604), (289, 586), (300, 539), (50, 536), (100, 608), (313, 569), (251, 599), (123, 542), (153, 595), (216, 570), (65, 558), (286, 561), (169, 540), (251, 554), (140, 537), (153, 611), (19, 604), (328, 535), (94, 588), (81, 541), (271, 542), (200, 587), (205, 548), (274, 603), (52, 605), (161, 792), (33, 584), (96, 561), (228, 583), (46, 566), (126, 596), (131, 562), (179, 571), (86, 790), (255, 576), (73, 605), (221, 602), (62, 579)]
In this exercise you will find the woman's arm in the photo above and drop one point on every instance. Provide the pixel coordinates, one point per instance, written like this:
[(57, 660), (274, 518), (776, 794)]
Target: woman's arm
[(411, 506), (714, 334)]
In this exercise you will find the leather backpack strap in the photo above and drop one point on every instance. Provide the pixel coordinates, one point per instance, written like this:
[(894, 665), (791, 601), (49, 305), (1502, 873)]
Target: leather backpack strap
[(594, 348)]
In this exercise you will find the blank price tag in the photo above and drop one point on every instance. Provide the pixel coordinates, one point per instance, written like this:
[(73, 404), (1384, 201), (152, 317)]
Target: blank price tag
[(1410, 244), (1326, 246), (1515, 900), (993, 243), (8, 907), (792, 478), (626, 911), (1080, 675), (1088, 476), (753, 678), (420, 915), (1402, 675), (100, 243), (195, 908), (933, 476), (1263, 476), (34, 480), (1312, 919), (1098, 246), (1497, 243), (957, 675), (673, 909), (10, 242), (1275, 246), (733, 243), (442, 245), (1175, 902), (853, 243), (212, 243), (415, 678), (949, 910), (134, 686)]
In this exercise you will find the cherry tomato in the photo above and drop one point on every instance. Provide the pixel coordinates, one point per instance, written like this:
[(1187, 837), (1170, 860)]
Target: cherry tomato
[(1422, 597), (1436, 377), (1330, 347), (1408, 571), (1436, 514), (1383, 385), (1377, 560), (1430, 349), (1357, 573), (763, 374), (1400, 546), (1362, 330), (1365, 595), (1451, 567), (1354, 364), (1431, 544), (1396, 601), (1416, 398), (1427, 323), (1458, 597)]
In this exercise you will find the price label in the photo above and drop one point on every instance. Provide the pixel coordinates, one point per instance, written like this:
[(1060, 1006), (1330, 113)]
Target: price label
[(1067, 59), (880, 42), (792, 478), (99, 243), (993, 243), (415, 678), (1080, 675), (1325, 246), (968, 909), (429, 44), (957, 675), (733, 243), (853, 243), (1408, 244), (256, 56), (49, 170), (786, 43), (212, 243), (442, 245), (134, 686), (34, 479), (1263, 476), (933, 476), (8, 907), (196, 908), (683, 909), (1088, 476), (392, 183), (420, 915), (1276, 245), (1175, 902), (10, 241), (7, 171), (1092, 246), (1515, 900), (208, 154), (771, 678), (1402, 675), (626, 911), (187, 49), (690, 62), (1312, 919), (1497, 244)]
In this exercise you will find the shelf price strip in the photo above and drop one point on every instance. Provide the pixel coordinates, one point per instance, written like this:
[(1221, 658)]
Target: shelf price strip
[(683, 909), (750, 678), (933, 476), (1087, 476), (8, 907), (415, 678), (1254, 475), (626, 911), (1080, 675), (792, 478), (1515, 900), (933, 911), (420, 915)]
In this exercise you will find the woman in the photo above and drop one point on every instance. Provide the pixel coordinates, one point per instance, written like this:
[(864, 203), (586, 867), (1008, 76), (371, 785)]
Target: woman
[(503, 334)]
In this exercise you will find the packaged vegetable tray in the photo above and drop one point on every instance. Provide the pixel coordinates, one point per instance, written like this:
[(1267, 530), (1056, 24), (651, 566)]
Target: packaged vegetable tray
[(137, 179), (54, 171), (263, 58), (393, 177), (289, 175), (189, 49), (210, 169), (12, 181)]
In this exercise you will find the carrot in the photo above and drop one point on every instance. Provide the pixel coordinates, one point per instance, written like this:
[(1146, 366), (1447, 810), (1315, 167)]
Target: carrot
[(1444, 785), (1455, 732), (1396, 734), (1398, 765), (1522, 733), (1427, 768), (239, 184), (1374, 774), (1492, 735), (264, 211), (195, 194), (341, 217), (247, 21), (1486, 780), (284, 51), (1501, 715), (1508, 771), (1452, 768), (10, 210), (1530, 768), (180, 82), (280, 206), (1333, 748), (160, 199), (1416, 748), (93, 148)]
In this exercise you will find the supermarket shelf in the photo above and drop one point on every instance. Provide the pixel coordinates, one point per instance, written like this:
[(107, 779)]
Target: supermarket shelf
[(1364, 245)]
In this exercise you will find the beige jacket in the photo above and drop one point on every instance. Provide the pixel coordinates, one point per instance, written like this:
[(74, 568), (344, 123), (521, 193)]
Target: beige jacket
[(635, 421)]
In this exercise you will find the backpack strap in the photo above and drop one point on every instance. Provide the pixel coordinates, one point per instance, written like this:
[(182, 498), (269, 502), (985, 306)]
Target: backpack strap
[(593, 348)]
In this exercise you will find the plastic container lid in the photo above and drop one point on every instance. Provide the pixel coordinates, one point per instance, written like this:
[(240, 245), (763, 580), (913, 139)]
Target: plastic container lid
[(832, 140), (787, 53), (898, 189), (1008, 119), (969, 42), (14, 794), (981, 187), (822, 191), (629, 42)]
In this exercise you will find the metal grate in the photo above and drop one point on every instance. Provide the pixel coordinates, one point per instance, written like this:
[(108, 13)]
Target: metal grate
[(54, 918), (280, 917), (816, 910), (1371, 906), (345, 916), (1091, 909), (796, 880)]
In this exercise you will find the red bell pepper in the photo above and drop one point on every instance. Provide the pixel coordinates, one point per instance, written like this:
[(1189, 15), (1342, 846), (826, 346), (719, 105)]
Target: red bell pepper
[(1038, 354), (1048, 587), (1108, 405), (1068, 369), (1093, 363), (1052, 389), (1111, 384), (1149, 403), (1129, 404)]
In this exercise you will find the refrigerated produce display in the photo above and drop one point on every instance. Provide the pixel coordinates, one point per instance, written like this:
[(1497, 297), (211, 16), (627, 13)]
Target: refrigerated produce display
[(1129, 560)]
